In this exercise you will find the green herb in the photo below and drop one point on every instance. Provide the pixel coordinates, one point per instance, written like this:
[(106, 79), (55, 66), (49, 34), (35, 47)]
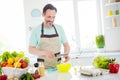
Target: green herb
[(103, 62)]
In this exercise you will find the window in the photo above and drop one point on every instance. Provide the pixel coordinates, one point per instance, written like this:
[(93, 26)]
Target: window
[(65, 17), (87, 23), (79, 19), (12, 27)]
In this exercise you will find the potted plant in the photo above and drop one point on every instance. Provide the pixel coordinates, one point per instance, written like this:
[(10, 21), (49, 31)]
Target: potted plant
[(100, 42)]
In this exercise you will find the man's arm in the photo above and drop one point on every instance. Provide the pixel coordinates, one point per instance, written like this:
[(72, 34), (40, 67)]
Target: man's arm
[(66, 51), (35, 51), (66, 47)]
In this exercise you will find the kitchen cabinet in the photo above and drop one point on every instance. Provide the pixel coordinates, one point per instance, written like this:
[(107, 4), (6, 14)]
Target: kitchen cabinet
[(110, 10)]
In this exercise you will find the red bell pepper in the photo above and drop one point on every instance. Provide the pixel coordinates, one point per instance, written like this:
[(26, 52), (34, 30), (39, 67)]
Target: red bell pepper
[(114, 67)]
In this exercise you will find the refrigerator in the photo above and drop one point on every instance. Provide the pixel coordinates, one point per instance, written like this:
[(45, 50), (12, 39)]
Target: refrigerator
[(110, 11)]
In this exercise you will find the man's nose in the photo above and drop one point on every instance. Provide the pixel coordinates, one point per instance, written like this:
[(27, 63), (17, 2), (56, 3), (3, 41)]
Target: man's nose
[(51, 19)]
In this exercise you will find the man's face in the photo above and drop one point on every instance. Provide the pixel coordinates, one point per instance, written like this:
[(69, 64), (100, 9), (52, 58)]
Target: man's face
[(49, 17)]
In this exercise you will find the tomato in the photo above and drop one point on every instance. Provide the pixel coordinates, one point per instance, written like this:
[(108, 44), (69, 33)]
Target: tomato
[(21, 60), (4, 64), (114, 67), (23, 64), (35, 76)]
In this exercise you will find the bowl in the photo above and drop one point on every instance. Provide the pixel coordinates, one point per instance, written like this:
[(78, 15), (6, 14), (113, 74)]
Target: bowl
[(64, 67), (16, 72)]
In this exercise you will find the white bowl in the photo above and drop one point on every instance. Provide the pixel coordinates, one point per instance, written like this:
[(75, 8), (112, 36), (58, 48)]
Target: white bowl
[(16, 72)]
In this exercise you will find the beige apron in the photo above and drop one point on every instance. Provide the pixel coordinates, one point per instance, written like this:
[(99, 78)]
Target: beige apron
[(50, 43)]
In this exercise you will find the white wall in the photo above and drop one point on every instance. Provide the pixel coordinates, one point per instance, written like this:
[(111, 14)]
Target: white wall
[(12, 25), (30, 21), (29, 5)]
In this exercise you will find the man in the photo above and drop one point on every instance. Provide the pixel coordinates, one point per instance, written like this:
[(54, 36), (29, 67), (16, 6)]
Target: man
[(46, 39)]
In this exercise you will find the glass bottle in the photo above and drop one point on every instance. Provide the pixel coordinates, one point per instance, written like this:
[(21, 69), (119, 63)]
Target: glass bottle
[(41, 67), (36, 68), (114, 21)]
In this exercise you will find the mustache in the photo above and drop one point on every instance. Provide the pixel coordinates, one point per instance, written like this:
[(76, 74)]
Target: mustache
[(49, 21)]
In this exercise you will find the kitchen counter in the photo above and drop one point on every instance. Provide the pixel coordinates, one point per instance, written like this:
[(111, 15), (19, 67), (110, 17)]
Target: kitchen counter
[(71, 75), (82, 61)]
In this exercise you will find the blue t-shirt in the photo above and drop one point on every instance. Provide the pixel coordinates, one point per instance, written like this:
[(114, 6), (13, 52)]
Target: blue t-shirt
[(36, 33)]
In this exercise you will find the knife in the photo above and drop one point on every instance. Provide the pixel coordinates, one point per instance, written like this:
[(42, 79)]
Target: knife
[(61, 55)]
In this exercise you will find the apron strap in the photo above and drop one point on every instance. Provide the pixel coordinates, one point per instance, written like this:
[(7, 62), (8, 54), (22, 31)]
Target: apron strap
[(55, 29), (49, 36), (42, 29)]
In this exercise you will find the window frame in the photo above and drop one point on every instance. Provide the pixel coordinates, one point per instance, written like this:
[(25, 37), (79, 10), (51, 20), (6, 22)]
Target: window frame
[(76, 21)]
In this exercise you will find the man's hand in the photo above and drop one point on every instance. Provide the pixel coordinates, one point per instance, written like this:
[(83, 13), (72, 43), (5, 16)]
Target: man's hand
[(49, 54), (66, 57)]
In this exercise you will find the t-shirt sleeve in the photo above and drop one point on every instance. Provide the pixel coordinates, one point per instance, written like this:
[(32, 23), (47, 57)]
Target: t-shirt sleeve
[(63, 36), (32, 39)]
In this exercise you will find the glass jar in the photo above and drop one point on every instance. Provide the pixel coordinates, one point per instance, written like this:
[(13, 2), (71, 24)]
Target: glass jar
[(41, 67)]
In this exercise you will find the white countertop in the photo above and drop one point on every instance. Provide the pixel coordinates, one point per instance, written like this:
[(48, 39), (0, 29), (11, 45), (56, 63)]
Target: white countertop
[(71, 75), (82, 61)]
